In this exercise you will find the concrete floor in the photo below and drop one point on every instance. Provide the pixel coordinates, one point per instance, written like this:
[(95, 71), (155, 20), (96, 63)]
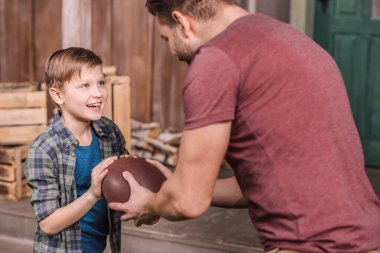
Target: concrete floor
[(219, 228), (10, 245)]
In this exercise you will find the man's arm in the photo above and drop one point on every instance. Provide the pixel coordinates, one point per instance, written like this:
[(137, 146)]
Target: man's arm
[(188, 192), (227, 193)]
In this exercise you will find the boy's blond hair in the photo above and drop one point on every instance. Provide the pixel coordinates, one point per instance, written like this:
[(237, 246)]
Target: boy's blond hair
[(65, 64)]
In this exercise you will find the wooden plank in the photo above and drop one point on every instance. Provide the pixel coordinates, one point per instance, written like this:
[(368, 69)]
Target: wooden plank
[(12, 191), (8, 190), (24, 99), (167, 88), (33, 116), (109, 70), (122, 109), (101, 19), (302, 15), (278, 9), (107, 110), (132, 54), (16, 45), (26, 190), (11, 170), (24, 150), (11, 154), (3, 40), (19, 174), (6, 87), (7, 173), (7, 155), (44, 11), (14, 135), (76, 23)]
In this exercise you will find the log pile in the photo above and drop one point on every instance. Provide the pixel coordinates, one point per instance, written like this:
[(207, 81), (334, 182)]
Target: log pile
[(148, 141)]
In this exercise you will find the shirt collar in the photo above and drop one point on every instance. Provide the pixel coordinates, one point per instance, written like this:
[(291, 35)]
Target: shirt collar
[(99, 130), (67, 137)]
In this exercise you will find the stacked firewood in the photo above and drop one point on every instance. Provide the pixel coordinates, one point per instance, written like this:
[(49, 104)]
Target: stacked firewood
[(148, 141)]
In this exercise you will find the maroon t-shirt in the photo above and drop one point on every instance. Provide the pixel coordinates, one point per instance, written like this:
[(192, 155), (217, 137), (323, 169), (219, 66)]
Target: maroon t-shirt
[(294, 147)]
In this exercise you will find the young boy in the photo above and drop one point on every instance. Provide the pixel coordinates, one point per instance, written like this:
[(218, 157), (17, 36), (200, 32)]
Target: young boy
[(67, 162)]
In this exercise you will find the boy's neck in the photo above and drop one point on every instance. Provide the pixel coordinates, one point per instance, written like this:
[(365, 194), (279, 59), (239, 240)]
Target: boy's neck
[(81, 130)]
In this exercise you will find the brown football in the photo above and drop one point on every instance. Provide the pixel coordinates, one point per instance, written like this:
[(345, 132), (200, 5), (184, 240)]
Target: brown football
[(116, 189)]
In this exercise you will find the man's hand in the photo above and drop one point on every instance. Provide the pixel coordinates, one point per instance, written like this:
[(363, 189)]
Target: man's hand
[(135, 208), (166, 171)]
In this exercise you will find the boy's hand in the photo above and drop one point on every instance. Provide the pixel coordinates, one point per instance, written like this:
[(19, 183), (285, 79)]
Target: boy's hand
[(97, 175)]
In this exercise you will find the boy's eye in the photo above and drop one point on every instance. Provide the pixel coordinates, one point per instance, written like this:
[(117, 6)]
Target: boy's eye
[(102, 83), (85, 85)]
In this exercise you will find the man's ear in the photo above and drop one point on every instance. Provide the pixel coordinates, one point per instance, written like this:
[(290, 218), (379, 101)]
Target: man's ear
[(55, 94), (184, 21)]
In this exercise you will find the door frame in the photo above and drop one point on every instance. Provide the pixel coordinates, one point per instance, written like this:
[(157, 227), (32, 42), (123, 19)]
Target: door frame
[(302, 13)]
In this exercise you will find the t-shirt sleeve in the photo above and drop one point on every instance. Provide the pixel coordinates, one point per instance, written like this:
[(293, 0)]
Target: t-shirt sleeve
[(211, 88)]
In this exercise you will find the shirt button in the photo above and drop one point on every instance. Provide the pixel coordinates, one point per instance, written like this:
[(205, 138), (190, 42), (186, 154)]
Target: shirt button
[(72, 154), (67, 181)]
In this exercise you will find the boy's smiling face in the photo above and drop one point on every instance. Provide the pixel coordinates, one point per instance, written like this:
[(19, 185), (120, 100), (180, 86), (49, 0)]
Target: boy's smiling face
[(83, 98)]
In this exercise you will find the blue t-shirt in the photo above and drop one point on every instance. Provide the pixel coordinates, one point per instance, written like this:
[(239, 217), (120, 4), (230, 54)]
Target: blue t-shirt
[(94, 224)]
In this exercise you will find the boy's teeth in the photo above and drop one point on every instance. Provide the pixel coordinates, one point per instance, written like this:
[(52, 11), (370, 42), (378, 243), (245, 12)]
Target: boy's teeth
[(94, 105)]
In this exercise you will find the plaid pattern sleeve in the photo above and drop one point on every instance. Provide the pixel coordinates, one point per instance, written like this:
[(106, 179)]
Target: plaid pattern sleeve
[(49, 170), (42, 178)]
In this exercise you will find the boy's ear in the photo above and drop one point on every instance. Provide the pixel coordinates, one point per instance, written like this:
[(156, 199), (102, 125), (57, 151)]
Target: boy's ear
[(55, 94), (184, 22)]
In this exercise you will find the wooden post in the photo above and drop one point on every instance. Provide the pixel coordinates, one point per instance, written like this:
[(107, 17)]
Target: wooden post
[(76, 23), (122, 109), (252, 6), (302, 16)]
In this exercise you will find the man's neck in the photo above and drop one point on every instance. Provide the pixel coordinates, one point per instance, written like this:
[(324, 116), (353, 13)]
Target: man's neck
[(224, 18)]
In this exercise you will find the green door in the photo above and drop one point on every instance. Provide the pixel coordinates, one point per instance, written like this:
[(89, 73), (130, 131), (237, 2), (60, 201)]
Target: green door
[(350, 31)]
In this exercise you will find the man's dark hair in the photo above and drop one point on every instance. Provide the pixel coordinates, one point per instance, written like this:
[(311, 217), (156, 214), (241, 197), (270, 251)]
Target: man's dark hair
[(198, 9)]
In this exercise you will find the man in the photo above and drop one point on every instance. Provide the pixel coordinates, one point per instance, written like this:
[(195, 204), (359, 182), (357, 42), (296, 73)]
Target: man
[(273, 103)]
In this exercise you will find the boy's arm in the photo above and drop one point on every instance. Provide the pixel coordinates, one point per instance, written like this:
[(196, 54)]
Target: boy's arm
[(45, 200), (42, 176), (68, 215)]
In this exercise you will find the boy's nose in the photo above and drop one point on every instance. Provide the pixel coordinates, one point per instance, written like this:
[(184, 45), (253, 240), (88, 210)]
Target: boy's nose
[(96, 92)]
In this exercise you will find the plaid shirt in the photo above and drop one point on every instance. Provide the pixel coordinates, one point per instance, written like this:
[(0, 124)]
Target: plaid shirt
[(49, 170)]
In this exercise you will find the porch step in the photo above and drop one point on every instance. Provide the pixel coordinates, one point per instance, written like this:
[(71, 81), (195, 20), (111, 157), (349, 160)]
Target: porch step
[(217, 231)]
